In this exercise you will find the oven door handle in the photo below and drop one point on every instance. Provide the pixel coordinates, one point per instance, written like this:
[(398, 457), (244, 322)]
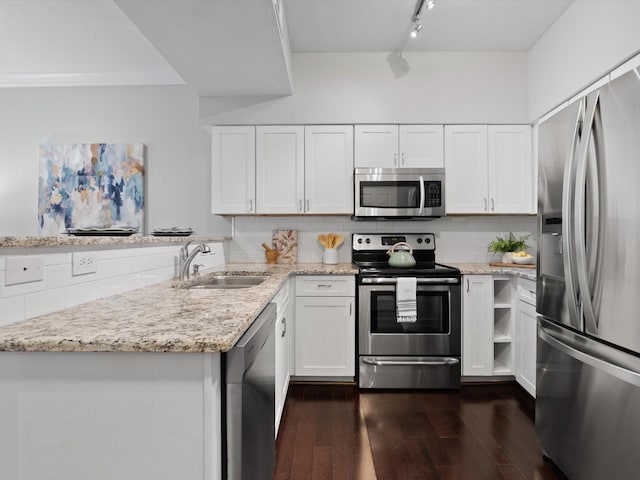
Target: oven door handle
[(420, 281), (408, 363)]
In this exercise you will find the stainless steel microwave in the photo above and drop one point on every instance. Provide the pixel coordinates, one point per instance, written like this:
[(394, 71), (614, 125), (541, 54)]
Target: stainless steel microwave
[(398, 192)]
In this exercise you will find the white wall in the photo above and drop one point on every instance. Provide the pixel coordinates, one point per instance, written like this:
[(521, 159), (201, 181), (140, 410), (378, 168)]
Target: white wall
[(440, 87), (164, 118), (587, 41), (458, 239)]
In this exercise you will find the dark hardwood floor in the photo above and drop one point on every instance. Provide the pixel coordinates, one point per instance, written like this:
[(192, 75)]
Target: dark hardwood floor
[(338, 432)]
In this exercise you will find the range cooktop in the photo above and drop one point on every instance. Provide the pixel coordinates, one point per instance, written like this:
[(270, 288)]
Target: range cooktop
[(370, 254)]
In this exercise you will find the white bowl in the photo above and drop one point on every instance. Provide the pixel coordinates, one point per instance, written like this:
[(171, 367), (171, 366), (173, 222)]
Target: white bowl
[(523, 260)]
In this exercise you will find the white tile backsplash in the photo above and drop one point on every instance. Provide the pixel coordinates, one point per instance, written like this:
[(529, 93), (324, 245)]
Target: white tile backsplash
[(11, 310), (43, 302), (458, 239), (82, 293), (118, 270)]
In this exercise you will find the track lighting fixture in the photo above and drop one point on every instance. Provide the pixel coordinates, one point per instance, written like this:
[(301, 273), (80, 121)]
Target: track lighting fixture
[(416, 15)]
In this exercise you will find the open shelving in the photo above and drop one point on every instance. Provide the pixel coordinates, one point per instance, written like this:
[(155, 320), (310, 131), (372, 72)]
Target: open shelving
[(502, 325)]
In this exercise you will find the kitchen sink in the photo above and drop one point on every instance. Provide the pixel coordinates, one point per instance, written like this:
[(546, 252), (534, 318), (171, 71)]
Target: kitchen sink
[(228, 282)]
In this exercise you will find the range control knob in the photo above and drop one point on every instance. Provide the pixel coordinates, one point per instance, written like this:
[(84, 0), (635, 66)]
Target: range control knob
[(368, 240), (419, 240), (359, 240), (428, 240)]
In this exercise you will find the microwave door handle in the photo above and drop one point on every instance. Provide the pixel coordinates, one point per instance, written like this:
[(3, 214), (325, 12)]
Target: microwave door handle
[(421, 194)]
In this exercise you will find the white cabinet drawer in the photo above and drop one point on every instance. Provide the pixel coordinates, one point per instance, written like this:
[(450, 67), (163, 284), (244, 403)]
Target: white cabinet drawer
[(325, 286), (527, 291)]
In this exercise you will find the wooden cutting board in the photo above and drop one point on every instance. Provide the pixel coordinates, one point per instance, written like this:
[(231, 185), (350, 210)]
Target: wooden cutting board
[(510, 265)]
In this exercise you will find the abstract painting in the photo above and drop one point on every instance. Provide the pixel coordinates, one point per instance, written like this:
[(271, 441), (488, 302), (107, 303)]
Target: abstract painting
[(85, 185)]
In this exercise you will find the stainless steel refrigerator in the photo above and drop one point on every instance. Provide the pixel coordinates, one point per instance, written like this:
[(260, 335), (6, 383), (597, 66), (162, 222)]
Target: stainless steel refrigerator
[(588, 302)]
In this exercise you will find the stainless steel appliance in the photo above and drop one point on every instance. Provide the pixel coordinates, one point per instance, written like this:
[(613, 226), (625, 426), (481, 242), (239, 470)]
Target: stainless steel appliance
[(588, 364), (399, 192), (250, 401), (396, 354)]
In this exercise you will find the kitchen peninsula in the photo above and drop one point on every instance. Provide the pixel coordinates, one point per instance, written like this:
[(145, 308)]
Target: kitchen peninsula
[(129, 385)]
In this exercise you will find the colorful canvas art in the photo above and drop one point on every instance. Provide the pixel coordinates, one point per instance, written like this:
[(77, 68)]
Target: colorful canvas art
[(87, 185)]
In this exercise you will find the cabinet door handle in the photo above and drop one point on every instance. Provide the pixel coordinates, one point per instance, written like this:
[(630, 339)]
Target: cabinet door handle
[(467, 284), (300, 205), (395, 159), (402, 158), (284, 323), (324, 285), (493, 206), (350, 309), (485, 203), (250, 205), (307, 205)]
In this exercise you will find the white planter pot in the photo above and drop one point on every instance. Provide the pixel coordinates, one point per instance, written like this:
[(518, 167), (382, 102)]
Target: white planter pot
[(507, 257)]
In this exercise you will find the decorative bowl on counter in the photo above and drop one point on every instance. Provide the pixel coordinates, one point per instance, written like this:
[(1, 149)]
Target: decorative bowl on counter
[(523, 260)]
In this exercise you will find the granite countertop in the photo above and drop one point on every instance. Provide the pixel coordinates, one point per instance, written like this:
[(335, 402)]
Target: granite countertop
[(486, 269), (70, 240), (160, 318)]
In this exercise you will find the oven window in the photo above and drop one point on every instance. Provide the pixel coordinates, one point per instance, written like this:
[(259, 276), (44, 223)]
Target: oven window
[(390, 194), (432, 309)]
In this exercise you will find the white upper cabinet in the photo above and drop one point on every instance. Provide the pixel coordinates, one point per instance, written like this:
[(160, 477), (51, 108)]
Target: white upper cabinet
[(280, 169), (489, 169), (421, 146), (399, 146), (233, 170), (510, 169), (466, 165), (376, 146), (328, 167)]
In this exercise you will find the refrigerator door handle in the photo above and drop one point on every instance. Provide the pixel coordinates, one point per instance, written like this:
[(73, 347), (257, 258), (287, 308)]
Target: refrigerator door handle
[(568, 183), (579, 222), (625, 374)]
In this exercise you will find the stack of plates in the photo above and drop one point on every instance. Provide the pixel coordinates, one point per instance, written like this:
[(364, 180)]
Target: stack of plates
[(103, 231), (172, 232)]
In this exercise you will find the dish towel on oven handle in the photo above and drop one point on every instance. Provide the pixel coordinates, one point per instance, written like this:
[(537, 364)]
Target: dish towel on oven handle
[(406, 310)]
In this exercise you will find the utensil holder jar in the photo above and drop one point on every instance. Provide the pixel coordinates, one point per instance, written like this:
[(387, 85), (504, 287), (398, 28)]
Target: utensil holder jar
[(272, 256), (330, 256)]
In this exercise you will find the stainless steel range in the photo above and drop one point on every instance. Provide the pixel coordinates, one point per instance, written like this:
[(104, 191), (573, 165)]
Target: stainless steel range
[(423, 352)]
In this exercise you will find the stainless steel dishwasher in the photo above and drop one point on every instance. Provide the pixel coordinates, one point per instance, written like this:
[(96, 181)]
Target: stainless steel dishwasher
[(250, 401)]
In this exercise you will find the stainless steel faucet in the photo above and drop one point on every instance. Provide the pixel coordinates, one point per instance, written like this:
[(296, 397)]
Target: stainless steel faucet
[(186, 258)]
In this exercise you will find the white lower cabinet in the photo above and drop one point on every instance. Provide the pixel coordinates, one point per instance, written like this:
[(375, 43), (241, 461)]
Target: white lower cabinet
[(477, 331), (325, 326), (526, 336), (487, 326)]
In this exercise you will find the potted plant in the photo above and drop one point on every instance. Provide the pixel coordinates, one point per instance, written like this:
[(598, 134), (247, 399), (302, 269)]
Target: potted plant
[(508, 245)]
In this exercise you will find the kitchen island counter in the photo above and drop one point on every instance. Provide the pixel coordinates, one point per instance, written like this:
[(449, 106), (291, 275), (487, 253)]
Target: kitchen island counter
[(165, 317)]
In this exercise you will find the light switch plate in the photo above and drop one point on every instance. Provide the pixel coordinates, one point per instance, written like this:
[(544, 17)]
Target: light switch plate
[(24, 269)]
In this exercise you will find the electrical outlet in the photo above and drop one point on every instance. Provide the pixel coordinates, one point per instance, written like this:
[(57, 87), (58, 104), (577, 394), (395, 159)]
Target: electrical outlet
[(24, 269), (83, 263)]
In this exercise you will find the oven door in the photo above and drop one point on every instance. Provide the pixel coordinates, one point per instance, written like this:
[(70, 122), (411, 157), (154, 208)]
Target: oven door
[(436, 331)]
